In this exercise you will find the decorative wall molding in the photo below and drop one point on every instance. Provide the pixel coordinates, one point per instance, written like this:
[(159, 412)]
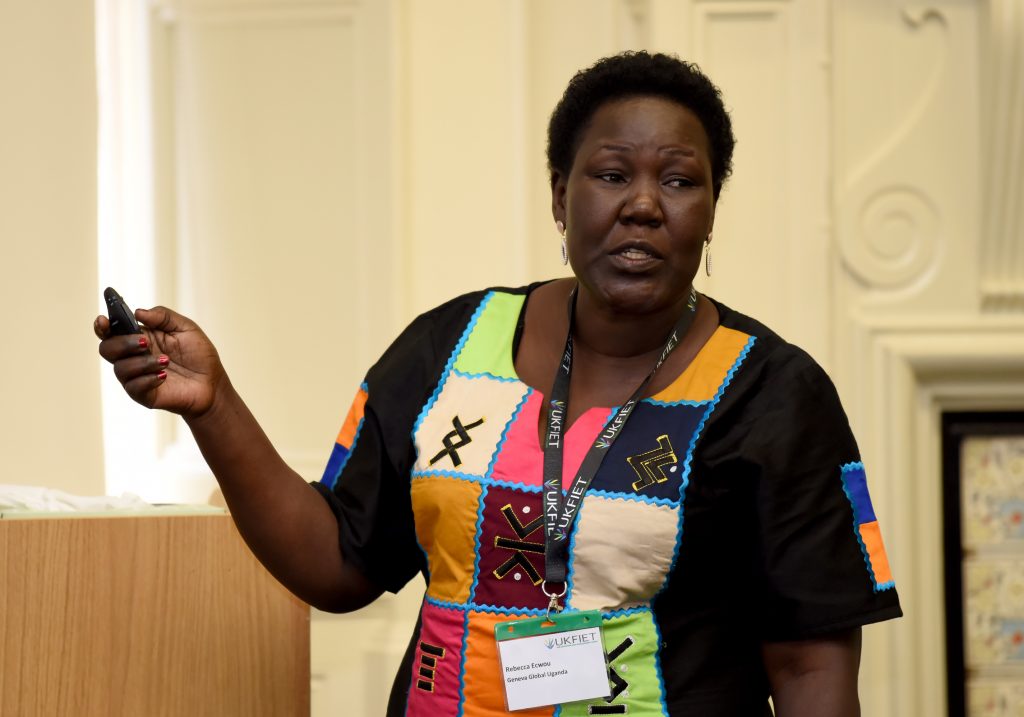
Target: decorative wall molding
[(274, 12), (634, 23), (772, 245), (912, 369), (890, 233), (1002, 245), (898, 237), (708, 12)]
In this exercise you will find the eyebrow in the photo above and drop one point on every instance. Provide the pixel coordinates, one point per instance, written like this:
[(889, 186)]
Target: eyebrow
[(616, 147), (680, 151)]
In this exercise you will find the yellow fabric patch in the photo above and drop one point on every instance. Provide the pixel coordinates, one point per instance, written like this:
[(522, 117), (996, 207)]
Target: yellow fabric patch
[(705, 374), (446, 515)]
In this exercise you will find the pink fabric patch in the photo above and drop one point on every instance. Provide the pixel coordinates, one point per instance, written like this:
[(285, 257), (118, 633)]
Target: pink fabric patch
[(522, 459), (436, 663)]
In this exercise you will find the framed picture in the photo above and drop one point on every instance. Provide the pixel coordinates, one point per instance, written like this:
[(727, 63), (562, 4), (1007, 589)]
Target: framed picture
[(983, 489)]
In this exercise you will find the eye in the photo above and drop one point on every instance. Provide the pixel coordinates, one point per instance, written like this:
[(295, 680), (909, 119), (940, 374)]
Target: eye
[(611, 176), (679, 182)]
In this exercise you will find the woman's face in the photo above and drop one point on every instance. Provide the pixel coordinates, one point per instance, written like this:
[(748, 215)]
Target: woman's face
[(637, 204)]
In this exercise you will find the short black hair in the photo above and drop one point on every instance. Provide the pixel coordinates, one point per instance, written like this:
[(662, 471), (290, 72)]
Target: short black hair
[(632, 74)]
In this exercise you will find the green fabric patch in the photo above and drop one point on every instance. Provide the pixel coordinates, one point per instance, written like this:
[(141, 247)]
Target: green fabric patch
[(631, 643), (488, 348)]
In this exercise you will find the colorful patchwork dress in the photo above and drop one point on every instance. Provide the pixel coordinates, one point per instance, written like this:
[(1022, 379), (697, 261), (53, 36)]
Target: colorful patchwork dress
[(732, 510)]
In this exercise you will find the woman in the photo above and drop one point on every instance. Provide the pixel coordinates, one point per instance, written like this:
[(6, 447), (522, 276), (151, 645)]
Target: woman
[(725, 534)]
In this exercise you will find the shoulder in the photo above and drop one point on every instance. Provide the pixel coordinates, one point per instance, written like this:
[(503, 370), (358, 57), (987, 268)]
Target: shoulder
[(771, 358), (420, 351), (777, 389)]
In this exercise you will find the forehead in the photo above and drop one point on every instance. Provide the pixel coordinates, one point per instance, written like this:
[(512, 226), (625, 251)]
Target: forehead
[(644, 120)]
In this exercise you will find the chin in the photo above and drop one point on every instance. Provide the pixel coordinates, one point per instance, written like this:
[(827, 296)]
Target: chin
[(639, 297)]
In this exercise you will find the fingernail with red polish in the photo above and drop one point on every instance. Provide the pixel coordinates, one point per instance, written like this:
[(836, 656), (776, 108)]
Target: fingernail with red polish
[(162, 375), (143, 342), (163, 360)]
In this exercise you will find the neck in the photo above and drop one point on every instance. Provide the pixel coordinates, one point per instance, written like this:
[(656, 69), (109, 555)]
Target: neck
[(600, 329)]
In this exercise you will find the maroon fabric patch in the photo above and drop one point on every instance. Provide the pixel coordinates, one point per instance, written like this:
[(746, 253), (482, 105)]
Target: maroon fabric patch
[(511, 550)]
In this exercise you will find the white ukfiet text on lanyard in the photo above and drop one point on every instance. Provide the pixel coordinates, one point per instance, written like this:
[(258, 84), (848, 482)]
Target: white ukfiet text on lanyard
[(559, 657)]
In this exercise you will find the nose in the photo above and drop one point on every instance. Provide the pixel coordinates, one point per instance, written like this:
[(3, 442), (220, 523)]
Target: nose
[(642, 204)]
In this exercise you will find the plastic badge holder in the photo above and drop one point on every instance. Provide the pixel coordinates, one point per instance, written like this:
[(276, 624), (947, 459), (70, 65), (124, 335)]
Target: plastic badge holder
[(552, 661)]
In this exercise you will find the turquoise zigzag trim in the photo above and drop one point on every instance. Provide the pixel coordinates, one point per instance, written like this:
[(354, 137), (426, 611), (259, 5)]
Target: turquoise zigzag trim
[(484, 374), (635, 497), (876, 586), (687, 464), (481, 502), (504, 432), (448, 365)]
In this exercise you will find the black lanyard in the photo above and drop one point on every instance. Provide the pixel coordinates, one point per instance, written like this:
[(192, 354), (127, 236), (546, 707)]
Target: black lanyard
[(560, 511)]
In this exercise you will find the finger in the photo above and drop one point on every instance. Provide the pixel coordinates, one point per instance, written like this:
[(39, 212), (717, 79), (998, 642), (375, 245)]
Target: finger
[(115, 348), (129, 369), (160, 318), (101, 327), (142, 389)]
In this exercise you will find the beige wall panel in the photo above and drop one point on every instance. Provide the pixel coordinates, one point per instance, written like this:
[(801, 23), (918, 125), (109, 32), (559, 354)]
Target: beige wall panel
[(769, 251), (284, 242), (464, 140), (354, 657), (49, 380), (1002, 250), (908, 154), (910, 340)]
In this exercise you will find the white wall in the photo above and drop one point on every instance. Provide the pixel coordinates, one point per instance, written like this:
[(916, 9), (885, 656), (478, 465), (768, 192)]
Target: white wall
[(366, 159), (49, 382)]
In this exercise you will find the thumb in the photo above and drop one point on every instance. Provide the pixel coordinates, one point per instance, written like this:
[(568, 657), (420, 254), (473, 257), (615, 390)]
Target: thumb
[(160, 318)]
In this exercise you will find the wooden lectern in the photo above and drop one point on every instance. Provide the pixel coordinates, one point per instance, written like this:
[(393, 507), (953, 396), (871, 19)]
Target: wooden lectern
[(142, 617)]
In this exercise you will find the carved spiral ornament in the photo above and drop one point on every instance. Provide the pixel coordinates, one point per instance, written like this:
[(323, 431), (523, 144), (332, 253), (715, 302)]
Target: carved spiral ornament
[(897, 238)]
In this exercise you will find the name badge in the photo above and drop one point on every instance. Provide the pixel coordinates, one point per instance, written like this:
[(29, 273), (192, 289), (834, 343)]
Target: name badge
[(552, 661)]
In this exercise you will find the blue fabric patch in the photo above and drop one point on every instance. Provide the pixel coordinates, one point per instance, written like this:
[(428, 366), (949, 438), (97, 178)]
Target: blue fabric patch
[(855, 481), (648, 458), (339, 456)]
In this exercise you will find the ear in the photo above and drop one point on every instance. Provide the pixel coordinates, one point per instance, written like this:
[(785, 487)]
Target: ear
[(558, 190), (711, 224)]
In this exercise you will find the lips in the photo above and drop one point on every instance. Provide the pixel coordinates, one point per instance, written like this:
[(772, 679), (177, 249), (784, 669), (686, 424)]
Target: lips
[(635, 254)]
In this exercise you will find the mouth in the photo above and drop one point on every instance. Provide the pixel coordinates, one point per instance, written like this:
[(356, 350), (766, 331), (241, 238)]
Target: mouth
[(635, 254)]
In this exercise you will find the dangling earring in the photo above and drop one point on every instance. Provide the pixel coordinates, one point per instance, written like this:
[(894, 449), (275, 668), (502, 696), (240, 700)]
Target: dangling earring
[(560, 226), (707, 255)]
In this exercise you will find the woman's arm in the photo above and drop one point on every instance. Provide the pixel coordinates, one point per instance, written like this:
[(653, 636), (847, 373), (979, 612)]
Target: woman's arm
[(173, 366), (815, 678)]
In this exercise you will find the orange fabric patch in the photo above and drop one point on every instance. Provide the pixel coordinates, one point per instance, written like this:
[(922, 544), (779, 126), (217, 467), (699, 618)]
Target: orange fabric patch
[(485, 693), (446, 515), (705, 374), (347, 434), (871, 534)]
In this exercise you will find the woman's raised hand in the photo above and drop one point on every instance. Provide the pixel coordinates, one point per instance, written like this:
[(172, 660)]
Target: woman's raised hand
[(171, 365)]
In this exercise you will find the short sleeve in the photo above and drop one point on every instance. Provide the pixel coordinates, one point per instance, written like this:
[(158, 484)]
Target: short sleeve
[(820, 563), (366, 481)]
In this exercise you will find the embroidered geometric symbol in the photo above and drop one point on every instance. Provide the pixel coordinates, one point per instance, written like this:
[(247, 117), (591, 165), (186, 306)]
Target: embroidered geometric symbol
[(428, 663), (618, 684), (650, 465), (450, 448), (519, 547)]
